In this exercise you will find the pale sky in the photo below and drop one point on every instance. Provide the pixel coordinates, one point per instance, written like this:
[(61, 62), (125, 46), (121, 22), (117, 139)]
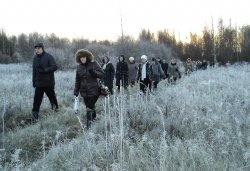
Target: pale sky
[(101, 19)]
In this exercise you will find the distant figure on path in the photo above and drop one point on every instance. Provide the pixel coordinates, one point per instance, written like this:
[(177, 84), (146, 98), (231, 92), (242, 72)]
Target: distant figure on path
[(132, 70), (174, 72), (109, 73), (144, 75), (157, 73), (122, 73), (188, 66)]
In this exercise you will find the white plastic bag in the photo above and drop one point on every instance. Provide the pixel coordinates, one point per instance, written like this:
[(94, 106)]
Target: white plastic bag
[(76, 105)]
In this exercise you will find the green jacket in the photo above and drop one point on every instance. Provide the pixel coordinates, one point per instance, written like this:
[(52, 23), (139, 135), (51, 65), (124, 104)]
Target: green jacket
[(173, 70)]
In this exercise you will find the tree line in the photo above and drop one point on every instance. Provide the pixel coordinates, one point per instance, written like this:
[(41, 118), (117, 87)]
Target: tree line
[(228, 43)]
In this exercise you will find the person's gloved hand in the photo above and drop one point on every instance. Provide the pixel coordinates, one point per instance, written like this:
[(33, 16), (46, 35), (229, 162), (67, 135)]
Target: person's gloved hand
[(40, 70)]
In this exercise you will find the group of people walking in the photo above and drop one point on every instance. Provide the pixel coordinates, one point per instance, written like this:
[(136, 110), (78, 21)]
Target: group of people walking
[(89, 73), (147, 74)]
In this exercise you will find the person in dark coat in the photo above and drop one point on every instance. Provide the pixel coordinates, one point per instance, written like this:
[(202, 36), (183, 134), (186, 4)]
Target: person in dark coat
[(86, 83), (204, 64), (43, 79), (109, 73), (144, 75), (122, 73), (157, 73), (164, 66)]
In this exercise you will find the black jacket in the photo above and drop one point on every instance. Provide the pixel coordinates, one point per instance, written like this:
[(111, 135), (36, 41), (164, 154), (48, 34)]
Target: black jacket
[(109, 74), (44, 67), (121, 70), (164, 67), (122, 73), (86, 83), (148, 72)]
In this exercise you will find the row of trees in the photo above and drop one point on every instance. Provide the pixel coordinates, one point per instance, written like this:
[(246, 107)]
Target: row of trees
[(227, 44)]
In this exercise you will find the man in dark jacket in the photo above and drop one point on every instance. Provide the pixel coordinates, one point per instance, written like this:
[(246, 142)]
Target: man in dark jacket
[(43, 79)]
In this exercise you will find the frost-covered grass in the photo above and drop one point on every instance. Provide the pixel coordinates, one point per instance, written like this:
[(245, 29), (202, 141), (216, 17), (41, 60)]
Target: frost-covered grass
[(201, 123)]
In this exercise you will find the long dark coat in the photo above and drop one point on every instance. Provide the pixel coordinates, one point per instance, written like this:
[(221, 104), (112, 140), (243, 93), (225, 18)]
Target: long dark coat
[(109, 74), (122, 73)]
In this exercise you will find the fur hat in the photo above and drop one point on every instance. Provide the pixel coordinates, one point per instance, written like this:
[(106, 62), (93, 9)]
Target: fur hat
[(144, 57), (84, 53), (131, 58)]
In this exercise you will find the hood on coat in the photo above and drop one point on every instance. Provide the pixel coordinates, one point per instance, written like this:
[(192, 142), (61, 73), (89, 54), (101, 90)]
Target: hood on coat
[(83, 53)]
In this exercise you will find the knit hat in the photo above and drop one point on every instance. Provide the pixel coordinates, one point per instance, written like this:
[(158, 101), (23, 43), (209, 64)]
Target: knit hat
[(131, 58), (39, 45), (144, 57)]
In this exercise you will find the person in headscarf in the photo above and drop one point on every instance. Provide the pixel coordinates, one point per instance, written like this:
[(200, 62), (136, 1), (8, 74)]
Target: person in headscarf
[(132, 71)]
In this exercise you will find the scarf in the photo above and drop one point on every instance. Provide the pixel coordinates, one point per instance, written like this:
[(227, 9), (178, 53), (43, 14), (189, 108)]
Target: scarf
[(143, 71), (105, 65)]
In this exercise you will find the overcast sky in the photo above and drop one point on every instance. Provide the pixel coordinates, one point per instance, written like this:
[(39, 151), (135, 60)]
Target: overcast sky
[(101, 19)]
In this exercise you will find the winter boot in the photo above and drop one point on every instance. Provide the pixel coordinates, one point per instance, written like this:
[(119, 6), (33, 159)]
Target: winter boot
[(54, 107), (34, 116)]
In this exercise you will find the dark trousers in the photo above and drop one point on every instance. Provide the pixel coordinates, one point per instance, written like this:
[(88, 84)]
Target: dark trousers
[(172, 80), (39, 91), (122, 81), (155, 84), (90, 102), (111, 90), (144, 84), (91, 113)]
